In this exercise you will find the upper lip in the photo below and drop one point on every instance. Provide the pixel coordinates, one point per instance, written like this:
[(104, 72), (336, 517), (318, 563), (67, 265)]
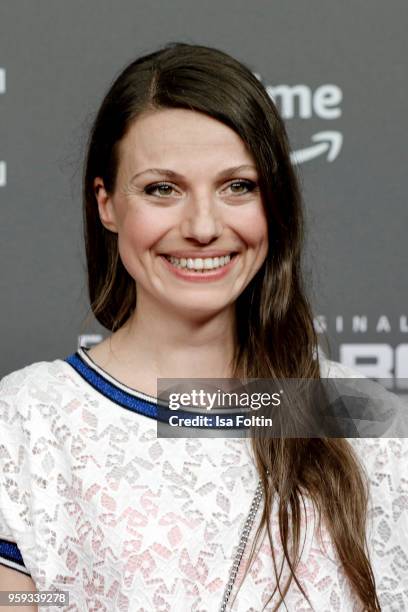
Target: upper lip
[(200, 254)]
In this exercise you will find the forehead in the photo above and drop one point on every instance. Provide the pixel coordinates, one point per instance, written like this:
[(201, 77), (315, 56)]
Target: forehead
[(171, 137)]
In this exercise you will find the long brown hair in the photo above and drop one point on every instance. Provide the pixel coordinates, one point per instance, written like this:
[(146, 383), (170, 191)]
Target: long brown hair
[(273, 310)]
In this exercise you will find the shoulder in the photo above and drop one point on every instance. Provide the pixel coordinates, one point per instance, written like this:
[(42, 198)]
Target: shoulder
[(35, 371), (29, 447), (335, 369), (36, 404), (19, 390), (36, 374), (25, 393)]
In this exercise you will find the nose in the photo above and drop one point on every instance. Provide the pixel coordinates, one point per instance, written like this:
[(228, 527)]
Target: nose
[(202, 220)]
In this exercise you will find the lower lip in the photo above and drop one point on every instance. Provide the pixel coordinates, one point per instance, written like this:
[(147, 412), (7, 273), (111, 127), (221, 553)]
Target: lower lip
[(200, 277)]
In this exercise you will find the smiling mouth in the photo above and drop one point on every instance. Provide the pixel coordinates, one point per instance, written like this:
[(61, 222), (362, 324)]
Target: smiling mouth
[(200, 264)]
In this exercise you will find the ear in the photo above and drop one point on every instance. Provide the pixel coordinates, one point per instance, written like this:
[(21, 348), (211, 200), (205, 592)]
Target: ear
[(105, 206)]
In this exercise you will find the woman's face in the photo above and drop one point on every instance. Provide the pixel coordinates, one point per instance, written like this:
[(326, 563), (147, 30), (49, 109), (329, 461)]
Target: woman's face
[(186, 198)]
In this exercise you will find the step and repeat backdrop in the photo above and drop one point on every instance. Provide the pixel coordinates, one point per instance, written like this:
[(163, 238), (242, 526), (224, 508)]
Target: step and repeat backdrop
[(338, 74)]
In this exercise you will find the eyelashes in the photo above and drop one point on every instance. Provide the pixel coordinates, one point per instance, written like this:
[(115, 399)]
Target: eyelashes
[(238, 188), (250, 186), (166, 187)]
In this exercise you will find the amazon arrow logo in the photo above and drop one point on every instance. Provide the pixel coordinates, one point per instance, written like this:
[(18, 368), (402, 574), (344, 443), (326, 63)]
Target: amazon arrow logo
[(328, 143), (300, 101)]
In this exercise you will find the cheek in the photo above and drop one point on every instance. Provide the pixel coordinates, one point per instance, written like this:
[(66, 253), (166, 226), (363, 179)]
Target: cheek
[(252, 226), (139, 231)]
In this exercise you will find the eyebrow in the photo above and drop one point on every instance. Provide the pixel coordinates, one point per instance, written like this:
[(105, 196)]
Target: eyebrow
[(175, 175)]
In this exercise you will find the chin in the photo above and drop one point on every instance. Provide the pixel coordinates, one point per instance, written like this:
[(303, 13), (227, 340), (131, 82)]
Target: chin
[(196, 309)]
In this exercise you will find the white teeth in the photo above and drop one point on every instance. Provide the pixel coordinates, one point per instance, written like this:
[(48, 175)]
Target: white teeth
[(199, 264)]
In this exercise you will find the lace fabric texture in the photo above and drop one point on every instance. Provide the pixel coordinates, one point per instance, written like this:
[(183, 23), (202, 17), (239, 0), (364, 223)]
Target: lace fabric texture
[(124, 521)]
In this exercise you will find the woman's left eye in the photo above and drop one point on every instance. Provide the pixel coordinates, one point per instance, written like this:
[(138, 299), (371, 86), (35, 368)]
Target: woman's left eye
[(242, 187)]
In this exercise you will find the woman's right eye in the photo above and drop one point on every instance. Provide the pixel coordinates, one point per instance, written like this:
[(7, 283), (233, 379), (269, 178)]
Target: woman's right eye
[(159, 189)]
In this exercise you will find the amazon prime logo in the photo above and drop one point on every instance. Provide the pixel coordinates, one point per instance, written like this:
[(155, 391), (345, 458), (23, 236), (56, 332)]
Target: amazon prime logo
[(2, 163), (300, 101)]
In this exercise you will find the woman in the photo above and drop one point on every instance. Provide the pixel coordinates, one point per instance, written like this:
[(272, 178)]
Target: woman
[(193, 230)]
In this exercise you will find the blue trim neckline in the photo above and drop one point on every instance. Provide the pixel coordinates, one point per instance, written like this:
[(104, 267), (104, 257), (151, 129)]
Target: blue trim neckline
[(159, 412)]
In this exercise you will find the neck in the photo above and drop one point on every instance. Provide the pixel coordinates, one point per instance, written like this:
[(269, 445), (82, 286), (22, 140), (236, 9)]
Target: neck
[(167, 345)]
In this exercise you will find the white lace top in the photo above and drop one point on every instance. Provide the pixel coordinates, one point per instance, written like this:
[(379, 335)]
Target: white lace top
[(92, 502)]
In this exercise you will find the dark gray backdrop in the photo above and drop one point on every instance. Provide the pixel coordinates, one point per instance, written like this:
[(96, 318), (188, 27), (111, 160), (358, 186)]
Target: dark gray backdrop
[(57, 60)]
